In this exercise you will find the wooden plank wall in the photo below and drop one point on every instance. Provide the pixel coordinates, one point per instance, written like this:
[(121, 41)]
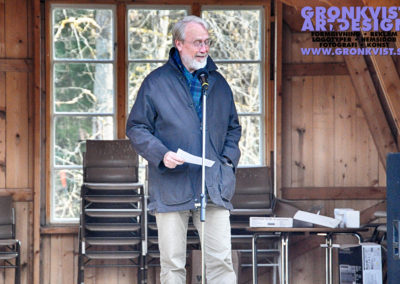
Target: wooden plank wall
[(325, 143), (15, 150)]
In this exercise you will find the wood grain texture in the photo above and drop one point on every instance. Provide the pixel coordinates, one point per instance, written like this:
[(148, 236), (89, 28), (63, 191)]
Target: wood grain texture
[(16, 65), (2, 29), (314, 69), (17, 159), (16, 34), (334, 193), (3, 113), (369, 102), (390, 83)]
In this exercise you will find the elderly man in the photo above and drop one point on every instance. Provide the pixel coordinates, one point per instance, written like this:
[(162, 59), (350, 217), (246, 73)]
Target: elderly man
[(166, 116)]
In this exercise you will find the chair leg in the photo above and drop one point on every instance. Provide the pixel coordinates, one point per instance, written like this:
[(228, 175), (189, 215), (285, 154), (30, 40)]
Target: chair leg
[(18, 264), (142, 271), (81, 272)]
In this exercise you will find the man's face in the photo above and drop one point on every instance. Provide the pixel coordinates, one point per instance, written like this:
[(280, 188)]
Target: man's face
[(194, 50)]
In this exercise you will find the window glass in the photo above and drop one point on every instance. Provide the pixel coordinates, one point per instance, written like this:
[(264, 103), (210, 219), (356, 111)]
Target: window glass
[(82, 33), (244, 80), (149, 42), (83, 97), (237, 34), (83, 87), (149, 32), (136, 74)]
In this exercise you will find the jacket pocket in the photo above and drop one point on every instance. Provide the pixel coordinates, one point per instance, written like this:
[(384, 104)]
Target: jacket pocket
[(176, 188), (227, 182)]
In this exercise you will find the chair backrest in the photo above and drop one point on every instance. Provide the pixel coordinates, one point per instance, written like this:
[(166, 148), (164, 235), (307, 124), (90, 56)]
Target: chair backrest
[(253, 188), (7, 220), (110, 161)]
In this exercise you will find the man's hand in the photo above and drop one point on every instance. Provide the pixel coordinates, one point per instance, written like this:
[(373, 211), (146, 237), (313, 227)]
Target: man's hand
[(171, 160)]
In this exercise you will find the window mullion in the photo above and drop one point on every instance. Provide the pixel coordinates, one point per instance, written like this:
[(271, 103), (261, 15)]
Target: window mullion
[(121, 71)]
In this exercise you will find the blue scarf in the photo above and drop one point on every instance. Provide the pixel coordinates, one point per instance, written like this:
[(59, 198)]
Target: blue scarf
[(193, 83)]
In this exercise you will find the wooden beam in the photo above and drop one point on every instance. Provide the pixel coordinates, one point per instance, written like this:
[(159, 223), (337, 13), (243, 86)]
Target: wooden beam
[(314, 69), (62, 230), (269, 84), (165, 2), (293, 18), (371, 106), (196, 9), (334, 193), (298, 4), (16, 65), (367, 215), (2, 29), (278, 24), (390, 83), (37, 139), (2, 125), (18, 194)]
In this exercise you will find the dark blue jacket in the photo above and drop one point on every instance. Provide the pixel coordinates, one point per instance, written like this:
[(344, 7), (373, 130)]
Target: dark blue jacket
[(164, 119)]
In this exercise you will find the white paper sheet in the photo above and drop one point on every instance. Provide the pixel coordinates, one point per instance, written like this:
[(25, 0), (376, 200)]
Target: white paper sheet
[(189, 158)]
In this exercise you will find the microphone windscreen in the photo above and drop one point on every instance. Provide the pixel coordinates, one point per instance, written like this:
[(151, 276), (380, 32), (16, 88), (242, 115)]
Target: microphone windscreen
[(202, 74)]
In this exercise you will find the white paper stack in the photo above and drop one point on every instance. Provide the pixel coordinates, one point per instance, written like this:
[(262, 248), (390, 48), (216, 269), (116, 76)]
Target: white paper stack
[(316, 219), (349, 218), (271, 222)]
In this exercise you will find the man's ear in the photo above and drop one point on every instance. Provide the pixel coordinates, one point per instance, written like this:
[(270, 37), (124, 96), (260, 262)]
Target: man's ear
[(179, 45)]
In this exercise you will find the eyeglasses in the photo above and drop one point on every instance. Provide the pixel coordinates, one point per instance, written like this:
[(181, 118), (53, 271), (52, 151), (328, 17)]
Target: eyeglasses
[(199, 44)]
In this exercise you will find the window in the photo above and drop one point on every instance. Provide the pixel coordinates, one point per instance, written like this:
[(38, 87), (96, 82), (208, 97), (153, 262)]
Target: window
[(82, 71), (82, 102), (149, 42), (239, 55)]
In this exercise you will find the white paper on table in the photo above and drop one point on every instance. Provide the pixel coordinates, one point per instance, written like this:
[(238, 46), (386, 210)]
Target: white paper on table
[(189, 158)]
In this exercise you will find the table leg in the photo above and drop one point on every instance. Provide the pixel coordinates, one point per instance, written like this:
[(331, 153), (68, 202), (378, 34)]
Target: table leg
[(328, 259), (254, 258), (284, 258)]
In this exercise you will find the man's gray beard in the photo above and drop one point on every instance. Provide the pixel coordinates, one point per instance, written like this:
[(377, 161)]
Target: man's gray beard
[(193, 63)]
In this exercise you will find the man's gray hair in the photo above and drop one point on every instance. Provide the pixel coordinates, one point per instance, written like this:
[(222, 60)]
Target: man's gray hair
[(178, 31)]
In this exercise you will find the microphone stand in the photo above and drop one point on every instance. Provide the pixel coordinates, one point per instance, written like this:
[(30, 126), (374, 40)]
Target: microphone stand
[(203, 200)]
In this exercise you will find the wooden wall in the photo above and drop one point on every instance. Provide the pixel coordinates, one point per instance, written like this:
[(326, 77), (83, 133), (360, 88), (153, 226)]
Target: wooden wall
[(326, 142), (15, 123)]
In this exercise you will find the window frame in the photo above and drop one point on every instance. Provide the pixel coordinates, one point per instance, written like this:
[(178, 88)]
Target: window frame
[(53, 114)]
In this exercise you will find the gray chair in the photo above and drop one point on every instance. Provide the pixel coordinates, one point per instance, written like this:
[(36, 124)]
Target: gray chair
[(254, 192), (112, 217), (254, 197), (10, 254)]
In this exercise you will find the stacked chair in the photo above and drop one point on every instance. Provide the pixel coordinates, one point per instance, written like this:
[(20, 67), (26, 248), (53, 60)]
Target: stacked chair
[(112, 222), (117, 230), (254, 197), (10, 253)]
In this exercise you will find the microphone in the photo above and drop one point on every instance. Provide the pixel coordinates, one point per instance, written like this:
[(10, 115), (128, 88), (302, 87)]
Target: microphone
[(203, 77)]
